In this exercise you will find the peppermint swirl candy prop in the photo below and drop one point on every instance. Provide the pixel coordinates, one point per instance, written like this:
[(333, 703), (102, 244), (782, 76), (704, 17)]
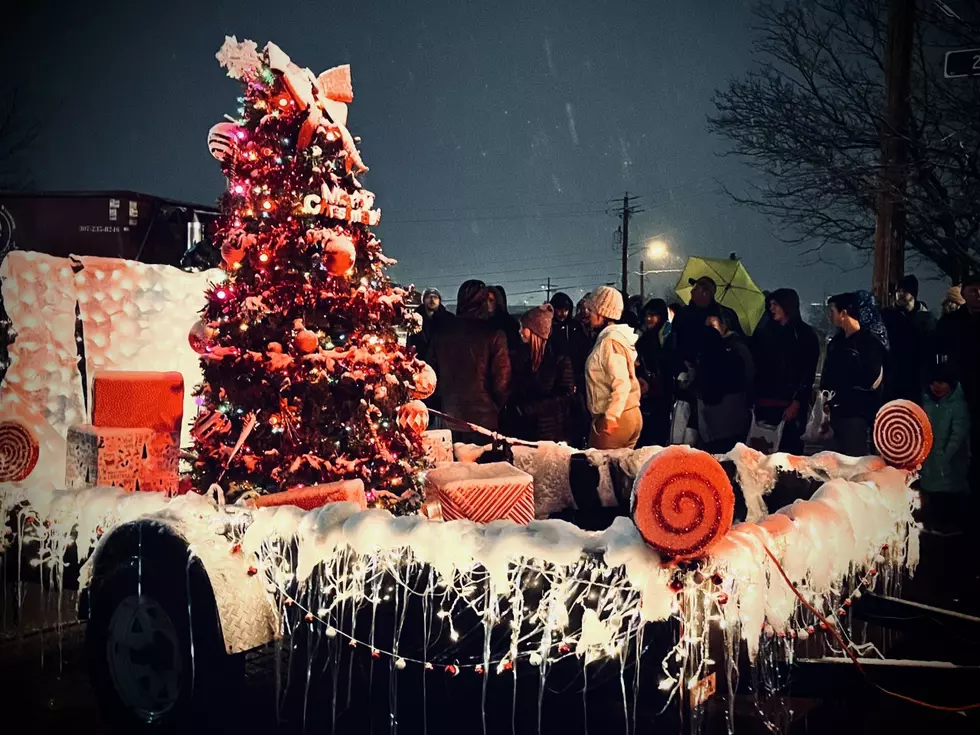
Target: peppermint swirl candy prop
[(903, 434), (683, 502), (19, 450)]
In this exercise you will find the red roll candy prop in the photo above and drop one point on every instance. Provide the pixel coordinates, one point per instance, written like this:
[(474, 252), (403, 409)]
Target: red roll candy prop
[(19, 450), (903, 434), (683, 503)]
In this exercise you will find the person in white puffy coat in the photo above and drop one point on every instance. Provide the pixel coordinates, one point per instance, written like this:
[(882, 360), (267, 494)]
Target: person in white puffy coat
[(612, 390)]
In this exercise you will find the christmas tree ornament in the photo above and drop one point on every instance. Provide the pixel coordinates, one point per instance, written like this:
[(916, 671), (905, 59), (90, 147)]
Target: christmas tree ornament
[(223, 140), (19, 451), (903, 434), (274, 347), (338, 255), (306, 341), (682, 502), (413, 416), (424, 382), (210, 424), (201, 337)]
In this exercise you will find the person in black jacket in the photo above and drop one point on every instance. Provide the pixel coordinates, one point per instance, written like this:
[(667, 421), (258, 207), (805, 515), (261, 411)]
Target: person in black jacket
[(688, 332), (433, 313), (911, 331), (786, 351), (567, 336), (854, 371), (543, 383), (654, 371), (472, 363), (502, 319)]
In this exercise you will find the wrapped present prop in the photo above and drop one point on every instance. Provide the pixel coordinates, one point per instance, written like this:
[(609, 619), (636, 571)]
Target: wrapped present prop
[(103, 456), (682, 502), (132, 459), (314, 496), (139, 400), (438, 445), (903, 434), (480, 492)]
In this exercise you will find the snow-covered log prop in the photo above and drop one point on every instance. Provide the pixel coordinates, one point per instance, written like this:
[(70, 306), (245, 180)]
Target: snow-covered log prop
[(682, 502), (903, 434), (536, 593)]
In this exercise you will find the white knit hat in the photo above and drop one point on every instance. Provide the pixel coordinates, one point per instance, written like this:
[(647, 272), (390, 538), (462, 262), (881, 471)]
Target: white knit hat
[(608, 302)]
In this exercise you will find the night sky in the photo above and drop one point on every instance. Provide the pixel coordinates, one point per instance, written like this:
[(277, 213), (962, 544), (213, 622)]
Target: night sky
[(496, 132)]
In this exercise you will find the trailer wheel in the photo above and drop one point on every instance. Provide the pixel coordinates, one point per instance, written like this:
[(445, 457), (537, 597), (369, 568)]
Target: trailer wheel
[(154, 645)]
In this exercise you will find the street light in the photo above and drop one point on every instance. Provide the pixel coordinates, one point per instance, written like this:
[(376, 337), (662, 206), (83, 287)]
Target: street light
[(657, 249)]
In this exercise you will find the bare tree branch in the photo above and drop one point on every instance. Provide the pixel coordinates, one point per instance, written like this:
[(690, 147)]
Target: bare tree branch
[(809, 116)]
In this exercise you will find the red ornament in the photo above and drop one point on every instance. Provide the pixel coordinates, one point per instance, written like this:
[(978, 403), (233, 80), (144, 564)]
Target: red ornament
[(236, 549), (564, 648), (252, 571), (478, 670), (274, 347), (424, 382), (375, 654), (413, 416), (306, 341), (722, 598), (201, 337), (717, 579), (676, 585), (338, 256), (507, 666), (810, 629), (452, 669), (309, 617), (848, 603), (841, 612)]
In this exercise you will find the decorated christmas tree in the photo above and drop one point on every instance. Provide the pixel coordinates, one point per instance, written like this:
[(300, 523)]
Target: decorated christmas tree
[(304, 379)]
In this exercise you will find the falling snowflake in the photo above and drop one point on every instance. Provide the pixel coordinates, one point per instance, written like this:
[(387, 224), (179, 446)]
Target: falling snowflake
[(239, 58)]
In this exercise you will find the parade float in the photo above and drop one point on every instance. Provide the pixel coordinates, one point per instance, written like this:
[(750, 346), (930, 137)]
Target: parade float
[(273, 477)]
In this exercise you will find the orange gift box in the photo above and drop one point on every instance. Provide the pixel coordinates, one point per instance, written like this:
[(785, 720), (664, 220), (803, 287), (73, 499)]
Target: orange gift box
[(139, 400)]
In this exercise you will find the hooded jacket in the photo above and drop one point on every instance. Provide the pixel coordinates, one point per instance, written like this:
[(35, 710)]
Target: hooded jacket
[(567, 337), (912, 354), (471, 361), (610, 373), (785, 356)]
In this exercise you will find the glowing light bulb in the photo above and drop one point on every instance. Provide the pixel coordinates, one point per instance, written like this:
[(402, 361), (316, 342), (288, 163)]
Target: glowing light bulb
[(264, 258), (267, 205), (239, 189), (221, 294)]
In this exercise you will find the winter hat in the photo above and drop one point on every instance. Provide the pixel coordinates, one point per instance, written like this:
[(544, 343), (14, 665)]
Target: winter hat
[(471, 299), (705, 282), (910, 284), (429, 291), (608, 302), (562, 300), (539, 319)]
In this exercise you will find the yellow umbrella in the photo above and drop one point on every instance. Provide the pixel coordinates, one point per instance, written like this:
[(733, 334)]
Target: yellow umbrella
[(736, 289)]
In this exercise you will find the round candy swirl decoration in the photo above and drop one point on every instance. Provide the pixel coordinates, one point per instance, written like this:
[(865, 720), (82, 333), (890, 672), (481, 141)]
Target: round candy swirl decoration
[(903, 434), (18, 451), (683, 502)]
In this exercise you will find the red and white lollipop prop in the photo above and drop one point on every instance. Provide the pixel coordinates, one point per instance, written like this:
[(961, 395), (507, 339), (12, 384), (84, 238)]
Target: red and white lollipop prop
[(903, 434)]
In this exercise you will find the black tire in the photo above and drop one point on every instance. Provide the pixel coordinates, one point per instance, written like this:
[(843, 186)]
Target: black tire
[(143, 618)]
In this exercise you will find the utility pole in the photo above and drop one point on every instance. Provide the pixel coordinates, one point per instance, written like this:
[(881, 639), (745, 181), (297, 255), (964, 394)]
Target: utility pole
[(889, 261), (548, 300), (643, 277), (627, 209)]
